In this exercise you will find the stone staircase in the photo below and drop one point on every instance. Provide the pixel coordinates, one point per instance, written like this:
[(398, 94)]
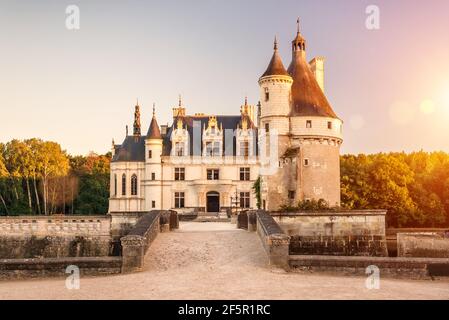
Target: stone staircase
[(212, 217)]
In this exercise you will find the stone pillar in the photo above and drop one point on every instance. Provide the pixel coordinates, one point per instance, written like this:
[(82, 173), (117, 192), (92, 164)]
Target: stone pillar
[(278, 250), (133, 253), (164, 221), (252, 221)]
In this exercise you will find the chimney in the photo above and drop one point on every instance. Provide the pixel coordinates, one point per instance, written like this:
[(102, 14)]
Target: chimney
[(317, 67)]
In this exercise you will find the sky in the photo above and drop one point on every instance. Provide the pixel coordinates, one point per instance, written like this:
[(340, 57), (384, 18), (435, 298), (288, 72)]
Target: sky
[(390, 86)]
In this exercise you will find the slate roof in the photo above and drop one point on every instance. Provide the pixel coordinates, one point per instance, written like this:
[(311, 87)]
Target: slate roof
[(132, 149), (192, 123)]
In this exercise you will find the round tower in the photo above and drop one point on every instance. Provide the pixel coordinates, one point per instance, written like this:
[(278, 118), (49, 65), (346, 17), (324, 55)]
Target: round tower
[(316, 132), (153, 166), (275, 99)]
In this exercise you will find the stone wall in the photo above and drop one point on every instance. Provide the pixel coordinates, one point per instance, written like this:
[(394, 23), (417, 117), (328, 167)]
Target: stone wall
[(54, 236), (410, 268), (343, 233), (423, 244), (50, 267)]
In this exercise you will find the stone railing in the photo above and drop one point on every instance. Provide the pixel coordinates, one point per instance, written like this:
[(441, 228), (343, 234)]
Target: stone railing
[(136, 243), (56, 225), (275, 242), (424, 244), (54, 236)]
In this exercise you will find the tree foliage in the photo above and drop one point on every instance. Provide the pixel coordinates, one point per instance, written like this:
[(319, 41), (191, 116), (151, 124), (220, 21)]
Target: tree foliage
[(414, 187), (38, 177)]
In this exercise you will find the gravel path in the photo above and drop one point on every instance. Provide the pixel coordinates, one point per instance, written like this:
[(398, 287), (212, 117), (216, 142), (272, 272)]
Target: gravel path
[(216, 261)]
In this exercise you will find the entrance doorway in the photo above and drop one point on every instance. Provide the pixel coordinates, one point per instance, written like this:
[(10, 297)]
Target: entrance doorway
[(213, 201)]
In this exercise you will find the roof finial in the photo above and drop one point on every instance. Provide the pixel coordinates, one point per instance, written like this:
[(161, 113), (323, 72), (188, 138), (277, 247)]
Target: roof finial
[(297, 25), (137, 103), (246, 100), (275, 43), (154, 109), (180, 102)]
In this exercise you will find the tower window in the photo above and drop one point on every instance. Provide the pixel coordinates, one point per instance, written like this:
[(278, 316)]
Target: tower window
[(309, 124), (180, 174), (267, 127), (329, 125), (291, 194), (134, 185), (153, 204), (153, 176), (306, 162), (150, 154), (115, 185), (179, 199), (267, 94), (124, 185)]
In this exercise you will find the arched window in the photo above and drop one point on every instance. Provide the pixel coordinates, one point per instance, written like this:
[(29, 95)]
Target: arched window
[(134, 185), (115, 185), (124, 185)]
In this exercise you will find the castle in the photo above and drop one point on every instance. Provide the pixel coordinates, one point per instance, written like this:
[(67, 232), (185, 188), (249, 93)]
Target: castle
[(209, 163)]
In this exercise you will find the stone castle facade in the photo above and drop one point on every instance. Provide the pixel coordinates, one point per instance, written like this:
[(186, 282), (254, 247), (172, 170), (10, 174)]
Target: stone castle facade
[(209, 163)]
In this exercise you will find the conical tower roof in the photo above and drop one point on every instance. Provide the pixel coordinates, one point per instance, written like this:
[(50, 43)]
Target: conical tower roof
[(307, 97), (154, 132), (275, 67)]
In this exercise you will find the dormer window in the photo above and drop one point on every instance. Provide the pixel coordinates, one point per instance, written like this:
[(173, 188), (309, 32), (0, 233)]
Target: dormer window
[(267, 94), (179, 149), (213, 148), (309, 124)]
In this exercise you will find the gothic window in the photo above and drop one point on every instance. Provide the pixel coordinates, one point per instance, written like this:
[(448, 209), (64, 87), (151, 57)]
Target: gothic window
[(134, 185), (124, 185), (115, 185), (179, 199), (245, 174), (267, 94), (244, 148), (213, 174), (180, 174), (244, 199), (309, 124), (179, 149)]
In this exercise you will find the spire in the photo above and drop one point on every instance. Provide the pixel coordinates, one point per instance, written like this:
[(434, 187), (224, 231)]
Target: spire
[(154, 132), (136, 126), (180, 101), (246, 100), (275, 67), (299, 43)]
